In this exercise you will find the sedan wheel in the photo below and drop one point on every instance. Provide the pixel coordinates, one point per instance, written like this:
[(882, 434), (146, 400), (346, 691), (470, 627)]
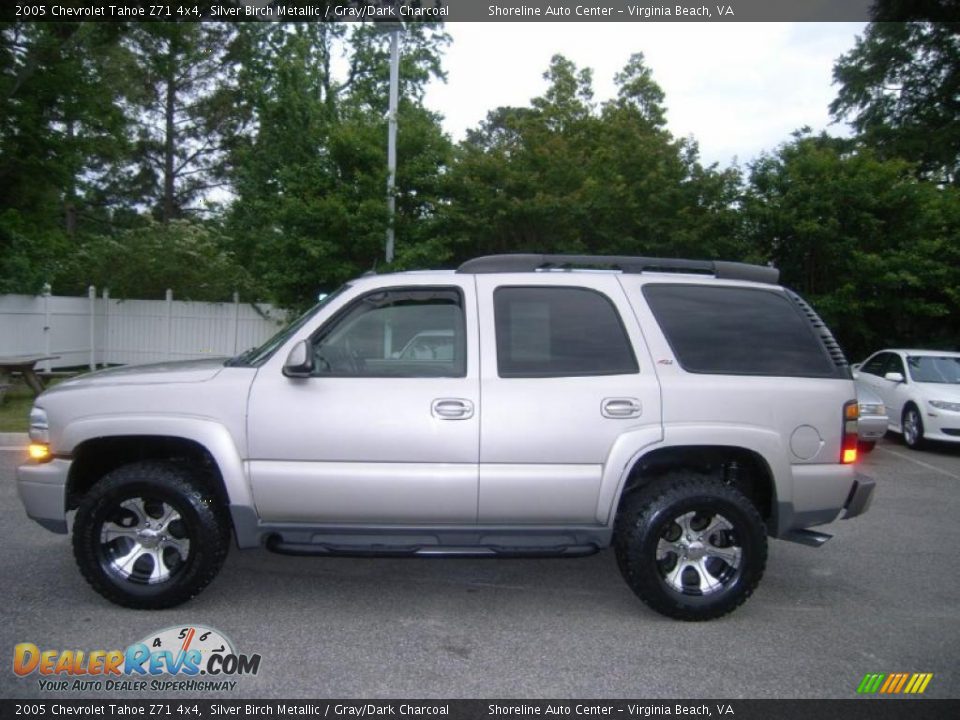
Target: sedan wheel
[(912, 428)]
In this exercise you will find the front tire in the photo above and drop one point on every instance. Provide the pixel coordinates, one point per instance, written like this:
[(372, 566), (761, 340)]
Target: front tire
[(912, 425), (150, 536), (691, 547)]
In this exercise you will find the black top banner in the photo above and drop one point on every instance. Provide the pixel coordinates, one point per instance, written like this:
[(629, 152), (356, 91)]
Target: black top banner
[(393, 11)]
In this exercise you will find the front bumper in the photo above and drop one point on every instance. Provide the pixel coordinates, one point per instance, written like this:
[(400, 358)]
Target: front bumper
[(43, 491), (871, 428)]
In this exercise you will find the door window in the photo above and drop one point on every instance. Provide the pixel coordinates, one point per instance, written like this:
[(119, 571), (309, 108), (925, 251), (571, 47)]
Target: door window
[(409, 333), (559, 332), (876, 365)]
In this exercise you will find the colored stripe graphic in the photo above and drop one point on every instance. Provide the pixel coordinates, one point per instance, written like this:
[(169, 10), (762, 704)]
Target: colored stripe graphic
[(870, 683), (894, 683)]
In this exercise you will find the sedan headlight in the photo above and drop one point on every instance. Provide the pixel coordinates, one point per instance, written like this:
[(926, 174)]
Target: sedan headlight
[(39, 428), (944, 405), (872, 409)]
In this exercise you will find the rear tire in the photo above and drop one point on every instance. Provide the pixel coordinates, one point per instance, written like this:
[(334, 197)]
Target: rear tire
[(690, 547), (150, 536)]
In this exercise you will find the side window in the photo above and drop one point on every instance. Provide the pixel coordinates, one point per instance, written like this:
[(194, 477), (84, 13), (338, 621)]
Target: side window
[(895, 365), (737, 331), (876, 365), (410, 333), (559, 332)]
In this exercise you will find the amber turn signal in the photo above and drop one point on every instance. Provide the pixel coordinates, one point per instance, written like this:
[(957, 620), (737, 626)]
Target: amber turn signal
[(38, 452)]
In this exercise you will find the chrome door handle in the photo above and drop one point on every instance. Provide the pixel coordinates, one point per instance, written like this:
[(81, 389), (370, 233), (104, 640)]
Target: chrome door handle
[(621, 407), (451, 409)]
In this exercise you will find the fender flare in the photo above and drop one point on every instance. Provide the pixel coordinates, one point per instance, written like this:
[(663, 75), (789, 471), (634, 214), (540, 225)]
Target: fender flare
[(211, 435), (631, 447)]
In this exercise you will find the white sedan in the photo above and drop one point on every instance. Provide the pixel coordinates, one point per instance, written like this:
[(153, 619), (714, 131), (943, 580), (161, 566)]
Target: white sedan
[(920, 389)]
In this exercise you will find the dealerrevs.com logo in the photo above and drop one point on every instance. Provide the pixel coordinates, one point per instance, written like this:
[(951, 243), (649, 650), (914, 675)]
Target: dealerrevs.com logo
[(193, 658)]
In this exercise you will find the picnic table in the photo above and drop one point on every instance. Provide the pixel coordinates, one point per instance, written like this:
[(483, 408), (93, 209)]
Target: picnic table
[(25, 365)]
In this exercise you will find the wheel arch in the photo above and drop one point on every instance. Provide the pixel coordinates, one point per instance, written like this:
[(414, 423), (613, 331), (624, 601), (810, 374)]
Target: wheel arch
[(744, 469), (99, 446)]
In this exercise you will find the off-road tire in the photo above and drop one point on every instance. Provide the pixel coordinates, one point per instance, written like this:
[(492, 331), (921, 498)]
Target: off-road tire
[(150, 535), (722, 525)]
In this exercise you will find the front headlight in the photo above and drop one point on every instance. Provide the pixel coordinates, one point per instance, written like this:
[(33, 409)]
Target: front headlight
[(944, 405), (872, 409), (39, 428)]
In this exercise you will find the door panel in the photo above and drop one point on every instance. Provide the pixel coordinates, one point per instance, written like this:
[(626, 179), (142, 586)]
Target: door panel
[(560, 381), (362, 441)]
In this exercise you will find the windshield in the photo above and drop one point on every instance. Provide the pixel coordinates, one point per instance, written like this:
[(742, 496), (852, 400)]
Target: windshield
[(941, 369), (255, 356)]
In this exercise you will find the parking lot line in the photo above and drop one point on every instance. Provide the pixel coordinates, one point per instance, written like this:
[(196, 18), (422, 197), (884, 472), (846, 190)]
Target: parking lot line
[(921, 463)]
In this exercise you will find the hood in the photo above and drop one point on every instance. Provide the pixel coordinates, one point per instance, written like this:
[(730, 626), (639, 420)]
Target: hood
[(184, 371), (948, 392)]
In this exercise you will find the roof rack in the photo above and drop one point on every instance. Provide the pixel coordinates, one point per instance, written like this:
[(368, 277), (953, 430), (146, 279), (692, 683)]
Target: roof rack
[(624, 263)]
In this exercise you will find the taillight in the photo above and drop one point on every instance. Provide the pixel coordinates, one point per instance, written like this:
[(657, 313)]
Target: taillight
[(851, 413)]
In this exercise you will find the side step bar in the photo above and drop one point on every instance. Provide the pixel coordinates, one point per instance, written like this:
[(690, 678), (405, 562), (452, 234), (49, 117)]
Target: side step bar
[(807, 537), (276, 543)]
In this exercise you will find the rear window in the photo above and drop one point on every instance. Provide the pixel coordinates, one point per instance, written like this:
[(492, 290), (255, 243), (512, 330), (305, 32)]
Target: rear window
[(737, 331)]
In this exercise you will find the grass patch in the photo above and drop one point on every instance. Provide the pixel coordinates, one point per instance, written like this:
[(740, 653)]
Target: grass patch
[(15, 406)]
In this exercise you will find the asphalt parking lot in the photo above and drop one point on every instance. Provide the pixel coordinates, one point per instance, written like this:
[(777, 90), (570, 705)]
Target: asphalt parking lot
[(881, 597)]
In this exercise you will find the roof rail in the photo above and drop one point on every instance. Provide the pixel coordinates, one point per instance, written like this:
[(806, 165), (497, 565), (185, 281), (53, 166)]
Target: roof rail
[(624, 263)]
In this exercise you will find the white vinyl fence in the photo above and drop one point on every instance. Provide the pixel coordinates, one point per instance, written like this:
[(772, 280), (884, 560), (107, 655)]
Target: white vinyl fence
[(92, 331)]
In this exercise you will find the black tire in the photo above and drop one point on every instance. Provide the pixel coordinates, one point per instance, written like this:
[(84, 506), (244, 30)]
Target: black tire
[(711, 542), (170, 536), (866, 446), (911, 423)]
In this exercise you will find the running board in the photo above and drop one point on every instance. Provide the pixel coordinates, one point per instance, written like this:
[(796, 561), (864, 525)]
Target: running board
[(811, 538), (276, 544)]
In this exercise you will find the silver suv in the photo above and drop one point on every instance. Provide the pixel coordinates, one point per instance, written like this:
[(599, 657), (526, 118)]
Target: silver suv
[(679, 411)]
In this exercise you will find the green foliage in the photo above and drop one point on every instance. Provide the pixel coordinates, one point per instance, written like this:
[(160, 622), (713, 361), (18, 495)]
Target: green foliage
[(186, 257), (311, 181), (186, 104), (874, 249), (900, 88), (567, 176), (112, 137)]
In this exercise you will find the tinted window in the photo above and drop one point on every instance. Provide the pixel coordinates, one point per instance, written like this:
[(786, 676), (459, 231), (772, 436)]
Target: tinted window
[(559, 332), (737, 331), (876, 365), (395, 333)]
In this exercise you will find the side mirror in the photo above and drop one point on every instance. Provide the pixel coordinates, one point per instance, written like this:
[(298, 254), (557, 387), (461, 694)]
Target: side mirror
[(894, 377), (299, 362)]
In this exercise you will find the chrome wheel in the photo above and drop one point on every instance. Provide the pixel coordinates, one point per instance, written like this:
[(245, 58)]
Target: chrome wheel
[(144, 541), (698, 553), (151, 534), (912, 427), (690, 546)]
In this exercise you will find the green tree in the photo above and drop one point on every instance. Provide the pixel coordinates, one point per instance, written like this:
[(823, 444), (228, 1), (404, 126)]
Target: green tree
[(62, 130), (567, 175), (310, 211), (873, 248), (900, 89), (143, 262), (187, 109)]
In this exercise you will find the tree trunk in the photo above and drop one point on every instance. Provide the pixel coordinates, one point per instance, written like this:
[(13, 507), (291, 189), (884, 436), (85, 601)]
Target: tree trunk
[(169, 203)]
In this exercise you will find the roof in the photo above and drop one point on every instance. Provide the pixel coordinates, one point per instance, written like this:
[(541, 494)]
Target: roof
[(923, 353)]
